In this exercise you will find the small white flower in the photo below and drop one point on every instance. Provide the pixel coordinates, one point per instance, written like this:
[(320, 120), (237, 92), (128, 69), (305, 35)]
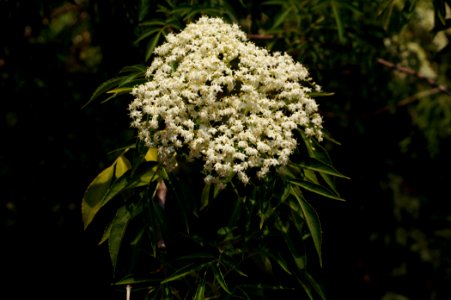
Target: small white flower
[(230, 103)]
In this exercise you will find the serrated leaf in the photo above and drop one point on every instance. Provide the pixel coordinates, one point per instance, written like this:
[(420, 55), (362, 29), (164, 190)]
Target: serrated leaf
[(312, 220)]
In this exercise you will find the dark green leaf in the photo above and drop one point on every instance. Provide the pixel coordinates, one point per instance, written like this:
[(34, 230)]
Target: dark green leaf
[(117, 232), (200, 291), (316, 286), (319, 166), (281, 17), (152, 45), (205, 197), (317, 189), (103, 88), (312, 220), (220, 279), (185, 271)]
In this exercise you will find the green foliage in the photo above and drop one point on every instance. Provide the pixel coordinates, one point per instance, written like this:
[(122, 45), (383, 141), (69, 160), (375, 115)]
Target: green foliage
[(201, 241)]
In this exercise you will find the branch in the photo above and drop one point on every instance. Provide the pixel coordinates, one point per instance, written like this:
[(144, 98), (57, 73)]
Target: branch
[(430, 81)]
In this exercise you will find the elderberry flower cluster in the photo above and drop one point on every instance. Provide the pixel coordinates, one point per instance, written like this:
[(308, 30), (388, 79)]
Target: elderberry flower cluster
[(214, 95)]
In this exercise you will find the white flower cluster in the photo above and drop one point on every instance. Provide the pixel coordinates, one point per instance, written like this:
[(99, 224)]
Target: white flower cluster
[(215, 96)]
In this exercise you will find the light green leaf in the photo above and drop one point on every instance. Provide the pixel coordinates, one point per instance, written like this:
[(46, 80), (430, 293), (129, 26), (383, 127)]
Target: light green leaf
[(122, 166), (120, 91), (151, 154), (95, 194), (144, 178)]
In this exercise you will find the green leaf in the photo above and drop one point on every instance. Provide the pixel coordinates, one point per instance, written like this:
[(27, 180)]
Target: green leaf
[(316, 286), (120, 91), (307, 289), (152, 45), (122, 166), (262, 261), (117, 232), (185, 271), (200, 291), (234, 217), (440, 11), (338, 21), (153, 23), (205, 197), (277, 257), (317, 189), (134, 69), (220, 279), (312, 220), (102, 189), (144, 178), (95, 193), (319, 166), (281, 17), (147, 34), (151, 155), (102, 88)]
